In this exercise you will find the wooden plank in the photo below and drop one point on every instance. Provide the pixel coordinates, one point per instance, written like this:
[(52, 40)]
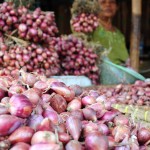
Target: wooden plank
[(135, 34)]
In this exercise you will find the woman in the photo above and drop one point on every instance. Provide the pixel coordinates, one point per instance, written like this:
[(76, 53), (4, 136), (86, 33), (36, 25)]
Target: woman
[(108, 35)]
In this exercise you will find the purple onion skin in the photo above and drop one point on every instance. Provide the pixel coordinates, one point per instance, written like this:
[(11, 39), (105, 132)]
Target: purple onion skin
[(20, 106), (8, 124), (96, 142), (73, 145), (74, 126)]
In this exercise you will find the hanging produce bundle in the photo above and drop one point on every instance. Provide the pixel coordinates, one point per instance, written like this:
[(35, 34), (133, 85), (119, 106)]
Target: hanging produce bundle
[(76, 58), (84, 16), (8, 17), (36, 26), (27, 40), (32, 57), (39, 113), (33, 26)]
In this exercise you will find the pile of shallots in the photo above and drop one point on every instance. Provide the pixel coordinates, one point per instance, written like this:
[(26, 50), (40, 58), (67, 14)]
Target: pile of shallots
[(76, 58), (136, 94), (42, 113), (33, 58), (35, 26), (28, 40)]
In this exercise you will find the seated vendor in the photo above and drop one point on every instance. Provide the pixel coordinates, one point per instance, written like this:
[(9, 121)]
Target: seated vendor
[(108, 35)]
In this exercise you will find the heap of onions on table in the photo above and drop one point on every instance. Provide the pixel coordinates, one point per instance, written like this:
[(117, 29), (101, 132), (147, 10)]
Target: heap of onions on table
[(62, 119)]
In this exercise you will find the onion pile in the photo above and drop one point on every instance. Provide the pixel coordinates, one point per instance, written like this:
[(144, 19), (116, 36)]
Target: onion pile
[(36, 26), (8, 17), (136, 94), (33, 58), (85, 23), (40, 113), (76, 58)]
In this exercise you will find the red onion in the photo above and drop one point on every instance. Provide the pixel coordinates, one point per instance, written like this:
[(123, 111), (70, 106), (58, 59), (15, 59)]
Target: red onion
[(58, 103), (21, 146), (52, 115), (94, 93), (4, 144), (41, 85), (122, 148), (28, 78), (120, 132), (73, 145), (3, 109), (64, 137), (90, 128), (32, 32), (42, 146), (109, 116), (103, 128), (121, 120), (38, 109), (46, 98), (101, 99), (111, 142), (34, 121), (20, 106), (63, 90), (22, 134), (89, 114), (2, 93), (77, 113), (88, 100), (73, 125), (32, 95), (96, 142), (61, 128), (75, 104), (22, 27), (45, 125), (77, 89), (8, 124), (43, 137), (16, 89), (143, 135)]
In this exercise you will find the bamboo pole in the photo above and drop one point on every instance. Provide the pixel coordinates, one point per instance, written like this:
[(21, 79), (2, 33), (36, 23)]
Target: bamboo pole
[(135, 34)]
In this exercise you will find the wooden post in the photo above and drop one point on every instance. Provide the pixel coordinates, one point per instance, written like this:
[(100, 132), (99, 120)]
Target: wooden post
[(135, 34)]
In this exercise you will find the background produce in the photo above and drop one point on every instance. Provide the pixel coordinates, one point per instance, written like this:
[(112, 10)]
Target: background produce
[(77, 58), (84, 16), (28, 40)]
